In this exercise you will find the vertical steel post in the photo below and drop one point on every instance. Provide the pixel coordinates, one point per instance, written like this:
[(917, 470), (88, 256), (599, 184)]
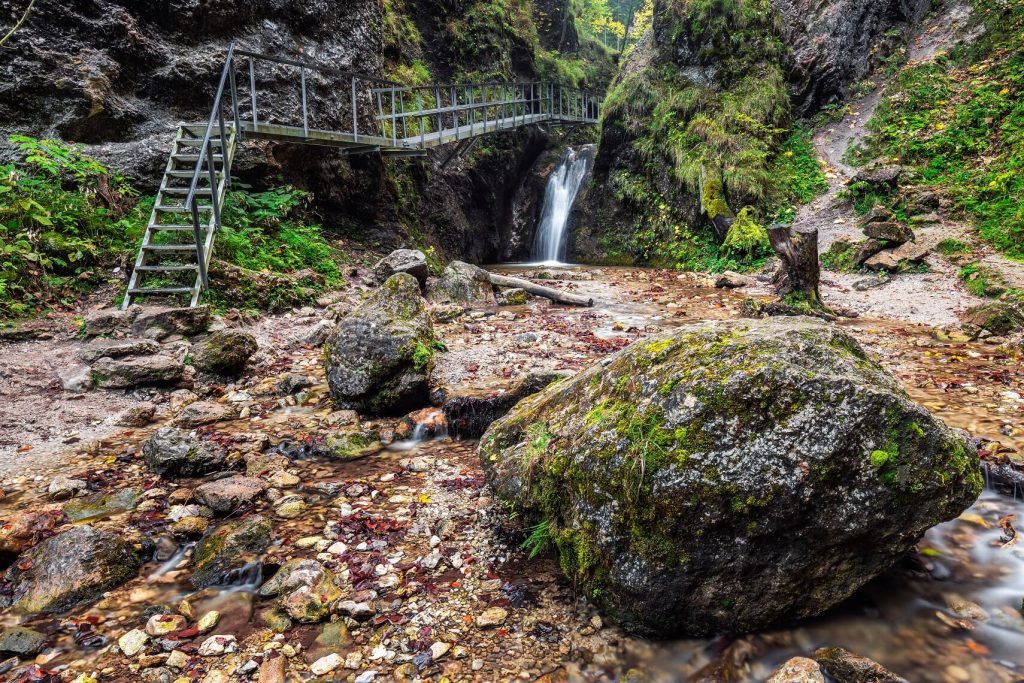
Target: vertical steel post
[(234, 102), (394, 122), (440, 119), (401, 112), (355, 117), (472, 111), (305, 110), (423, 125), (200, 256), (252, 89)]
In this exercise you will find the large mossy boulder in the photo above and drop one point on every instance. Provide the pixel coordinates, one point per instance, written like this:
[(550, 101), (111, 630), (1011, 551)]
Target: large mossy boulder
[(225, 353), (729, 475), (380, 355), (72, 568), (220, 555), (173, 452), (463, 283)]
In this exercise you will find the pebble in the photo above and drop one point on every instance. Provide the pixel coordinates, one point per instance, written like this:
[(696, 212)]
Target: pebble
[(354, 660), (326, 664), (177, 659), (217, 645), (439, 649), (491, 617), (208, 621), (366, 676), (133, 642), (162, 624)]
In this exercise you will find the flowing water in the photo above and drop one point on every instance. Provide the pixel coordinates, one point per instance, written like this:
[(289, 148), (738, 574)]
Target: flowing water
[(563, 186)]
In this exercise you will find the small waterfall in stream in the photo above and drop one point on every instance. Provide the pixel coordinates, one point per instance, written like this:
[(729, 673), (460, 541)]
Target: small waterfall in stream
[(564, 184)]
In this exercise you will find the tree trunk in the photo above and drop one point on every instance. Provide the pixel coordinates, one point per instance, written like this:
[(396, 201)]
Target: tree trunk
[(800, 272), (565, 22), (537, 290)]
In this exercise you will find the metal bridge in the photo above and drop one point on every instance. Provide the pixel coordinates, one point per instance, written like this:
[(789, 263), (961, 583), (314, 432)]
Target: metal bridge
[(261, 97)]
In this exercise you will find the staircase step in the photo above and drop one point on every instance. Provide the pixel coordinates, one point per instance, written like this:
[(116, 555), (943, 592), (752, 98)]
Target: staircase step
[(168, 269), (161, 290), (198, 142), (194, 158), (183, 191), (167, 208), (176, 227), (190, 173), (169, 247)]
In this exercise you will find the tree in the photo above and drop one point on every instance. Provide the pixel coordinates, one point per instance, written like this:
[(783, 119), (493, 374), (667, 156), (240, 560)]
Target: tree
[(19, 24)]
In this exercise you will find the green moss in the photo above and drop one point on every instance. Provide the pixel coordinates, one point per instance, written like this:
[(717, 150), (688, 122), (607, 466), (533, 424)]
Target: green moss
[(422, 357), (840, 256), (746, 238)]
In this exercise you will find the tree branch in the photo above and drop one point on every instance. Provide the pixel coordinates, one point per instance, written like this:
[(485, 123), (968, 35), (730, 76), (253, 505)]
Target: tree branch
[(19, 24)]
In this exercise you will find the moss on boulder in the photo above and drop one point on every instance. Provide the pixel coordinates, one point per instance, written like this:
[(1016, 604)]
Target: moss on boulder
[(228, 549), (726, 476), (225, 352)]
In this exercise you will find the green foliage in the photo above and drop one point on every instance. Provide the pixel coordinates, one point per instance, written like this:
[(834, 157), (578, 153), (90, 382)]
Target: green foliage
[(62, 215), (798, 174), (746, 239), (539, 539), (422, 356), (959, 122), (981, 280), (953, 247), (839, 256)]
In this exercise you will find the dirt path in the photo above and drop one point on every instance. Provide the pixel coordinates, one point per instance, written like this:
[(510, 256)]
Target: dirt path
[(937, 297)]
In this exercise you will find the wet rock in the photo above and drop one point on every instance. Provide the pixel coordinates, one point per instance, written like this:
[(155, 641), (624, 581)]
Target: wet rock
[(512, 296), (173, 452), (137, 416), (228, 494), (69, 569), (846, 667), (276, 619), (62, 488), (162, 624), (426, 423), (258, 464), (217, 645), (225, 352), (688, 494), (798, 670), (889, 231), (411, 261), (282, 479), (995, 318), (294, 382), (204, 413), (289, 507), (379, 358), (181, 398), (103, 504), (310, 604), (360, 611), (229, 549), (272, 670), (21, 641), (326, 665), (469, 414), (133, 642), (293, 574), (731, 280), (77, 379), (332, 637), (124, 373), (159, 323), (23, 529), (117, 348), (353, 442), (208, 621), (463, 283), (190, 527), (492, 617)]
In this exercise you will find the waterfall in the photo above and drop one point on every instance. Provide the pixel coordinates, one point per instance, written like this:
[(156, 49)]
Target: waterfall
[(563, 186)]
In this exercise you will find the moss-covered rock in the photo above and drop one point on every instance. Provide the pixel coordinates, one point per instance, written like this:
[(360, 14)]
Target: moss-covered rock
[(746, 238), (225, 352), (374, 358), (103, 504), (229, 549), (353, 442), (173, 452), (727, 476), (463, 283), (996, 318)]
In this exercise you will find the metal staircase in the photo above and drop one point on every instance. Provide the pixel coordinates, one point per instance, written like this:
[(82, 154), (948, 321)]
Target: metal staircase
[(367, 115)]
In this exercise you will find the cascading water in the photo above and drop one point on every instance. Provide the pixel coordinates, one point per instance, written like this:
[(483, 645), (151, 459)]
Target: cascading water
[(563, 187)]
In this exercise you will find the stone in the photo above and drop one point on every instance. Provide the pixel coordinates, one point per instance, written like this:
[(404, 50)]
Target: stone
[(282, 479), (332, 637), (294, 382), (108, 321), (512, 296), (173, 452), (103, 504), (133, 642), (326, 665), (714, 478), (190, 527), (411, 261), (463, 283), (203, 413), (360, 611), (159, 323), (439, 649), (847, 667), (865, 249), (289, 507), (272, 670), (913, 252), (798, 670), (310, 604), (217, 645), (229, 549), (125, 373), (293, 574), (77, 379), (208, 621), (994, 318), (162, 624), (225, 352), (23, 529), (21, 641), (883, 260), (877, 214), (177, 659), (181, 398), (137, 416), (889, 231), (731, 280), (276, 619), (258, 464), (228, 494), (380, 356), (117, 348), (350, 443), (62, 488), (885, 177), (874, 282), (72, 568), (469, 413), (491, 617)]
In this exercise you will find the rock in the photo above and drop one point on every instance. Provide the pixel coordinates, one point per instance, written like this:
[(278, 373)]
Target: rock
[(350, 443), (411, 261), (877, 214), (687, 493), (204, 413), (731, 280), (512, 296), (326, 665), (137, 416), (865, 249), (117, 348), (332, 637), (217, 645), (492, 617), (173, 452), (159, 323), (293, 574), (181, 398), (77, 379), (379, 358), (310, 604), (228, 494), (258, 464), (108, 321), (289, 507), (162, 624), (21, 641), (913, 252), (133, 642), (798, 670), (190, 527), (208, 621), (62, 488), (103, 504), (320, 333), (867, 283), (22, 530), (124, 373), (885, 177), (846, 667), (72, 568), (888, 231), (276, 619), (272, 670), (229, 549), (468, 414), (360, 611), (463, 283), (883, 260), (225, 352), (439, 649), (994, 318), (427, 423), (177, 659), (294, 382)]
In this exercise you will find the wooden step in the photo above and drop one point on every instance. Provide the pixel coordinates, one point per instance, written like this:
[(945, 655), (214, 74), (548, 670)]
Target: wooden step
[(160, 290), (169, 208), (169, 247), (177, 227), (183, 191), (168, 269)]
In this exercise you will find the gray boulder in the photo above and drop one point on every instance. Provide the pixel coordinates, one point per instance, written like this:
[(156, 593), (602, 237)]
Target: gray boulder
[(225, 495), (205, 412), (124, 373), (225, 352), (729, 475), (379, 357), (117, 348), (162, 322), (172, 452), (464, 283), (18, 640), (994, 318), (72, 568), (229, 549), (889, 231), (411, 261)]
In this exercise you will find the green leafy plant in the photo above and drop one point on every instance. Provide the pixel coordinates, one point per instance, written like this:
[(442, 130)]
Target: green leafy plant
[(539, 539)]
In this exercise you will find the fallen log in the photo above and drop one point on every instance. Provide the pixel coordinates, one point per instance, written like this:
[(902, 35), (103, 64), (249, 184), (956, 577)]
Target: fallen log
[(555, 295)]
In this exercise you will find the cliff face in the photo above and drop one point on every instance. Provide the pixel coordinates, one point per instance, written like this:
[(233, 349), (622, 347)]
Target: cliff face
[(118, 76)]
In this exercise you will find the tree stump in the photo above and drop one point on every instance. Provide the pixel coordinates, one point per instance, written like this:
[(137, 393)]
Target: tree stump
[(797, 280)]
